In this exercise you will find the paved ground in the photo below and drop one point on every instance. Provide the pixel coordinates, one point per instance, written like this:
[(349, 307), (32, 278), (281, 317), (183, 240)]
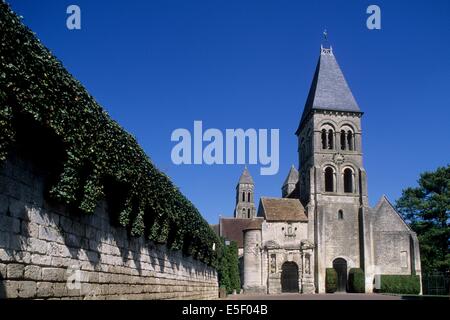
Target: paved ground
[(296, 296)]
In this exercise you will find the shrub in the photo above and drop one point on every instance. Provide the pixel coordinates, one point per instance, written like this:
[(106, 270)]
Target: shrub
[(356, 280), (400, 284), (330, 280), (228, 270)]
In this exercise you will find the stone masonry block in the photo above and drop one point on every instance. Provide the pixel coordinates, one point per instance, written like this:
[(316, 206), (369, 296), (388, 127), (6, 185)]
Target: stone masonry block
[(54, 274), (40, 259), (32, 272), (2, 271), (30, 229), (50, 234), (27, 289), (17, 209), (9, 224), (37, 245), (15, 271), (44, 289)]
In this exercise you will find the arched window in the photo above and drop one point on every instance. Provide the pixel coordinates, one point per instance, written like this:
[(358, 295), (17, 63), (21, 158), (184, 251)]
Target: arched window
[(248, 197), (248, 212), (330, 139), (329, 180), (243, 213), (350, 140), (348, 180), (340, 215), (342, 140), (243, 196), (324, 139)]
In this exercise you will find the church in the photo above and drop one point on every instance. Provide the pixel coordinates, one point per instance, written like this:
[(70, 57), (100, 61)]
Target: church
[(323, 219)]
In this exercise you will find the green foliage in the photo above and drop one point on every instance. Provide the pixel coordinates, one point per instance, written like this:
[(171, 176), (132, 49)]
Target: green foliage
[(228, 270), (34, 84), (400, 284), (356, 280), (427, 210), (330, 280)]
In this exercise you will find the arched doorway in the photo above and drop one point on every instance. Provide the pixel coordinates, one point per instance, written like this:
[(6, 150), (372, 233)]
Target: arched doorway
[(289, 277), (340, 265)]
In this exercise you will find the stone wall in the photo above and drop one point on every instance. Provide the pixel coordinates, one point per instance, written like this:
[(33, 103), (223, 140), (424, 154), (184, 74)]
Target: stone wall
[(394, 245), (47, 252)]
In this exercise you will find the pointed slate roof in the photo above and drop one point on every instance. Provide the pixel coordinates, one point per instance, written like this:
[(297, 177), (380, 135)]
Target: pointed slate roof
[(292, 177), (329, 89), (245, 177)]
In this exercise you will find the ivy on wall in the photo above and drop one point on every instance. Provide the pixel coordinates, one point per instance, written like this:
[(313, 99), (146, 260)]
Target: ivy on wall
[(35, 84)]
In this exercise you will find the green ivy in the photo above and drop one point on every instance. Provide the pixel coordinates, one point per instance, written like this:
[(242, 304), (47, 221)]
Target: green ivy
[(34, 83)]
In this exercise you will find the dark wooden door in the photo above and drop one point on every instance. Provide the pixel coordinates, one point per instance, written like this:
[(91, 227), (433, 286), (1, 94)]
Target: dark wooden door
[(340, 265), (289, 277)]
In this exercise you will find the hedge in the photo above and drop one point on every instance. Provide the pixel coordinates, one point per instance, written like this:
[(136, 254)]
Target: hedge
[(330, 280), (35, 85), (400, 284), (356, 280), (228, 269)]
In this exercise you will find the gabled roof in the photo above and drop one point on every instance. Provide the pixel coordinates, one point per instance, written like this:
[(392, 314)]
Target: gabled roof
[(292, 177), (329, 89), (232, 228), (246, 177), (393, 220), (282, 209)]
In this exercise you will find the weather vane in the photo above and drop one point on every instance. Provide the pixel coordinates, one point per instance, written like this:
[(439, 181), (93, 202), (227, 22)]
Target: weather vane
[(325, 35)]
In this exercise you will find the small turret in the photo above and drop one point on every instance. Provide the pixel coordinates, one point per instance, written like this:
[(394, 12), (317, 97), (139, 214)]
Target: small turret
[(290, 183)]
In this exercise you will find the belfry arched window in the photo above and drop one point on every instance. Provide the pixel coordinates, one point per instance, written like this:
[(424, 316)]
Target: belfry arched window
[(330, 139), (327, 136), (347, 138), (350, 140), (248, 213), (248, 197), (343, 140), (243, 196), (348, 180), (329, 179), (243, 213), (324, 139)]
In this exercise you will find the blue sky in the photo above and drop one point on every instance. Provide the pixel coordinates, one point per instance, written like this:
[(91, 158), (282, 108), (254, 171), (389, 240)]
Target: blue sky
[(158, 65)]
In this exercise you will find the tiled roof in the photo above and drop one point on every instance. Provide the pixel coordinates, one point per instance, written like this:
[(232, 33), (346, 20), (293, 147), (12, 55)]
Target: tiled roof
[(282, 209), (232, 228)]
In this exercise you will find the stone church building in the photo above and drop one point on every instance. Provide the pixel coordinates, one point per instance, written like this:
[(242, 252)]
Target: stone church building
[(323, 219)]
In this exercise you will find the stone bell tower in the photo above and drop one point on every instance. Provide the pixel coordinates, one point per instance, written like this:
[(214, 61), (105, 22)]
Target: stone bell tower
[(331, 174), (245, 203)]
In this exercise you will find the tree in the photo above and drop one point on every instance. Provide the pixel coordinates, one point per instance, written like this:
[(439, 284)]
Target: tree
[(426, 209), (228, 269), (233, 265)]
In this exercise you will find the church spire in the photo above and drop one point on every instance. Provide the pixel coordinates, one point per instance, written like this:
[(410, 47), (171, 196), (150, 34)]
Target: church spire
[(290, 183), (245, 203), (246, 177), (329, 89)]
